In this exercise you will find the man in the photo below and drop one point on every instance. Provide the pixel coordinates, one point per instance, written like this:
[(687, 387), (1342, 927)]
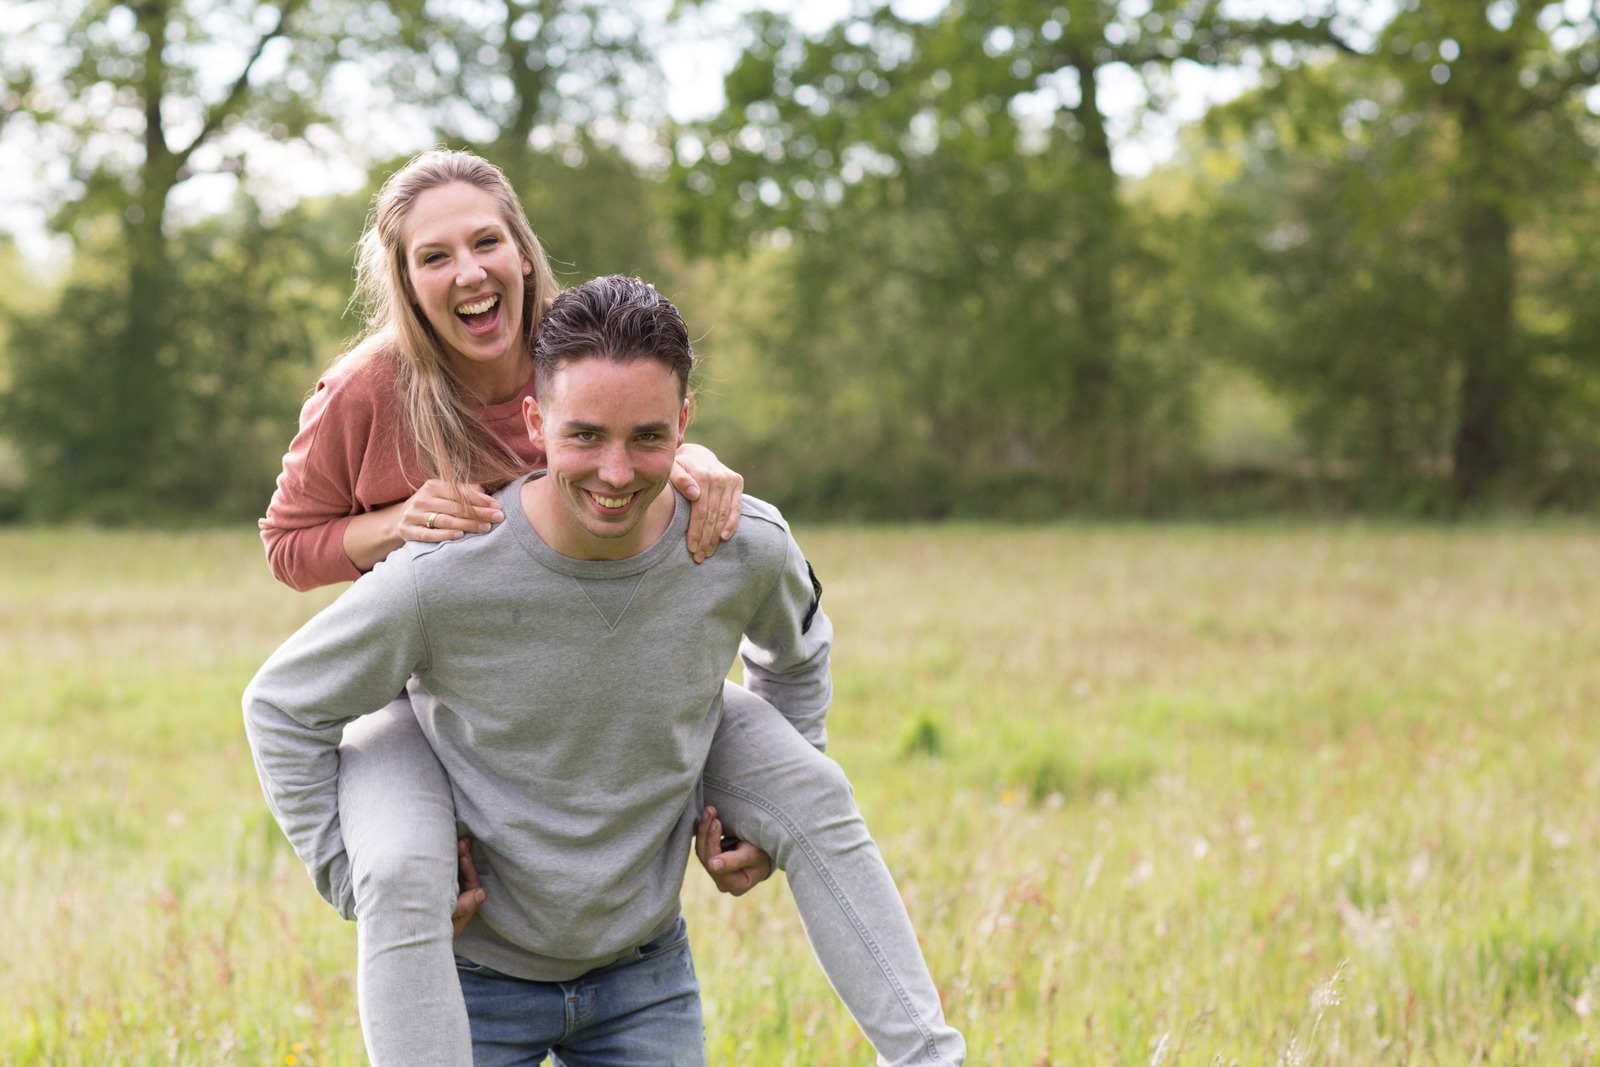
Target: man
[(568, 672), (567, 669)]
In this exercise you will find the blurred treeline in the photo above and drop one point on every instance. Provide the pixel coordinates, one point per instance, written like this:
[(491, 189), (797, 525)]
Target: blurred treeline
[(921, 287)]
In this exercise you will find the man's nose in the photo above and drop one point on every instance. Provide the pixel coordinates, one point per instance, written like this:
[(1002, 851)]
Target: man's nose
[(615, 466)]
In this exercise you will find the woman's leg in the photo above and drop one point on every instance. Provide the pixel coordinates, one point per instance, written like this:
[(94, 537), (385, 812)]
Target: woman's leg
[(399, 825), (773, 789)]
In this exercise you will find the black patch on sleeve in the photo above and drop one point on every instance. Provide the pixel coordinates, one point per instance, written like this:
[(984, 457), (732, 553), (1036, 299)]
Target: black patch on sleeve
[(816, 599)]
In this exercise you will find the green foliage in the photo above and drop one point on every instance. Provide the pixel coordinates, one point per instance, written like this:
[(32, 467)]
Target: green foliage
[(138, 100), (502, 73), (528, 84), (253, 315), (594, 212), (920, 286), (966, 293), (1397, 208), (166, 378), (924, 242)]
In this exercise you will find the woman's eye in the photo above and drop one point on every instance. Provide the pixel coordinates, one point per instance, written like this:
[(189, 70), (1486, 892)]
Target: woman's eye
[(431, 258)]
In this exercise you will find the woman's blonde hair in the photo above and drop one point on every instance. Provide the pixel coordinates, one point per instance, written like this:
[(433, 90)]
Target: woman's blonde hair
[(438, 413)]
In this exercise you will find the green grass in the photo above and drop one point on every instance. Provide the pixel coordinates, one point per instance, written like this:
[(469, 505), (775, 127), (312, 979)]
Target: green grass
[(1268, 794)]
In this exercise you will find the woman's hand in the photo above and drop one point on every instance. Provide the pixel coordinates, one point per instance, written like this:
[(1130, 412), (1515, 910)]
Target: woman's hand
[(714, 492), (736, 871), (440, 511), (472, 894)]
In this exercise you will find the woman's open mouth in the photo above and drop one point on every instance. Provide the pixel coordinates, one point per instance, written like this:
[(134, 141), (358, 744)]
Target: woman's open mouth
[(480, 316)]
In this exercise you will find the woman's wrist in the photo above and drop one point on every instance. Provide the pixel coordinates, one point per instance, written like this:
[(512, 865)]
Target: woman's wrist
[(371, 536)]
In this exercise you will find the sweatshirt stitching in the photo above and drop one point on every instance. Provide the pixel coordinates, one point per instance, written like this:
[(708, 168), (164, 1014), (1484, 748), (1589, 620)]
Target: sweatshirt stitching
[(611, 627)]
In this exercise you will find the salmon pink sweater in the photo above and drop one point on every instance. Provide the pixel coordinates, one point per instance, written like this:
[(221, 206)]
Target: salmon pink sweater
[(349, 457)]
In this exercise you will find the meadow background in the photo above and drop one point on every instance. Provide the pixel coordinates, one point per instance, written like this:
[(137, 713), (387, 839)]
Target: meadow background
[(1276, 792)]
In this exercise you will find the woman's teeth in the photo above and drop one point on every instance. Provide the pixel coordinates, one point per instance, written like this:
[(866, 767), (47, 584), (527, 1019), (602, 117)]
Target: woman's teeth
[(480, 307)]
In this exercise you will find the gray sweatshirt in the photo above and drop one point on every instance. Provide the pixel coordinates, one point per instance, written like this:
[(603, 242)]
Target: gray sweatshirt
[(571, 702)]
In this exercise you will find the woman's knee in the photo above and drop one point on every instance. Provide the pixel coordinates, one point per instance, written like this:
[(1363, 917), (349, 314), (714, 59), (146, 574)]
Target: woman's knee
[(794, 807), (829, 785), (403, 873)]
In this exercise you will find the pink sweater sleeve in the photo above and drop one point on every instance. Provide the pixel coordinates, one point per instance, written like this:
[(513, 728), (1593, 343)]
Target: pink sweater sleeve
[(323, 482)]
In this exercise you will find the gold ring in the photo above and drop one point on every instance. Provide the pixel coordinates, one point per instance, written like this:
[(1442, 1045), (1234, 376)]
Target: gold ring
[(431, 516)]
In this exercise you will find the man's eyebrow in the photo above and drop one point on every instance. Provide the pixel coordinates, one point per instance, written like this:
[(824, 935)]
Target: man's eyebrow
[(579, 426)]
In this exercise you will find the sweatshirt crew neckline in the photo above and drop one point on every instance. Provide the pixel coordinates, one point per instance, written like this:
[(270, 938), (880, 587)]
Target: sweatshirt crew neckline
[(676, 533)]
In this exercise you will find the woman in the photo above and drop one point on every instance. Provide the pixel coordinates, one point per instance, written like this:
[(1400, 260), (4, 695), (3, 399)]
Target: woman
[(400, 442)]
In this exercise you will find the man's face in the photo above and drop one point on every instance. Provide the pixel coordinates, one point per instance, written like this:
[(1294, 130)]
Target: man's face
[(610, 432)]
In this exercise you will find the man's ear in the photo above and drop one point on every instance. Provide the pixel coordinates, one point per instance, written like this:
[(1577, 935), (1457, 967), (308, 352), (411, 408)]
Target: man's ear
[(683, 422), (534, 419)]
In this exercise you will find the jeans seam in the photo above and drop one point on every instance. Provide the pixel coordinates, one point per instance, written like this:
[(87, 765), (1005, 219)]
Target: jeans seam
[(929, 1042)]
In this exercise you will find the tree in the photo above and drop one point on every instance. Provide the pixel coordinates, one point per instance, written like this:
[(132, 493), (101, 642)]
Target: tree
[(1393, 217), (254, 309), (1506, 79), (969, 157), (127, 93), (543, 88)]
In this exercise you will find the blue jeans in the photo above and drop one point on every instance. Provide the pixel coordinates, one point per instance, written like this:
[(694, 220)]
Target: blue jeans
[(641, 1011)]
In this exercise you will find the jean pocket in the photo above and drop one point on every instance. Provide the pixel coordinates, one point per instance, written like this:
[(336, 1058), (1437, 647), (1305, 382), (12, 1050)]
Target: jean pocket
[(671, 941)]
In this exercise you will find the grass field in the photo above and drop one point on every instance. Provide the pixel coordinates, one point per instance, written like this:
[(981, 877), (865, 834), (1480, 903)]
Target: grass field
[(1269, 794)]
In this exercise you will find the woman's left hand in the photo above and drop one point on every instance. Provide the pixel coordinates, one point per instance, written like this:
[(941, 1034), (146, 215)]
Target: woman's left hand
[(715, 493)]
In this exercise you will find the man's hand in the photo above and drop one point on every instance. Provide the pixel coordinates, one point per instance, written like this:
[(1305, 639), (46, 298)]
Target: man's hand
[(472, 894), (736, 871)]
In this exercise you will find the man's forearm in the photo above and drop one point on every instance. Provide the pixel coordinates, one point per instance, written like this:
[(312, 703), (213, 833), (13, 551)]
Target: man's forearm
[(299, 771)]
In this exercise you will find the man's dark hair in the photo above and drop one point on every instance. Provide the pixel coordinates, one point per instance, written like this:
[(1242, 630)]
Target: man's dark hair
[(617, 318)]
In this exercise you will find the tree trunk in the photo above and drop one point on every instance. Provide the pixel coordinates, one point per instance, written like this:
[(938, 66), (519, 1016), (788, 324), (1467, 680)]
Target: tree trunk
[(529, 73), (1486, 445), (140, 394), (1097, 473)]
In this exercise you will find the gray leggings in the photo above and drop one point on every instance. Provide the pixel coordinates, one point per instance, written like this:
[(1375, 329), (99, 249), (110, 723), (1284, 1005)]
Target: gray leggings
[(769, 787)]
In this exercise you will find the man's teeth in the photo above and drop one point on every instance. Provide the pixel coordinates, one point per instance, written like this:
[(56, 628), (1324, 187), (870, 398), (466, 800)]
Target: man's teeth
[(480, 307), (611, 501)]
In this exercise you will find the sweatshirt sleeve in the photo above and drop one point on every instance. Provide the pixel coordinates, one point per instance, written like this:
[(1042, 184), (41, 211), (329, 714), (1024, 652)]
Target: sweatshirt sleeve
[(352, 658), (316, 495), (786, 646)]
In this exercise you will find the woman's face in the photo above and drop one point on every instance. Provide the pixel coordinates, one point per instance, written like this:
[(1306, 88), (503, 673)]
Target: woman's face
[(466, 275)]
